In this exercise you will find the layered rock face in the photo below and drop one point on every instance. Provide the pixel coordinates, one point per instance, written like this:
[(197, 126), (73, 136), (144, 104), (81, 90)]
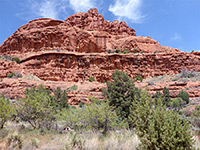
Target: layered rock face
[(63, 53), (81, 32), (74, 67)]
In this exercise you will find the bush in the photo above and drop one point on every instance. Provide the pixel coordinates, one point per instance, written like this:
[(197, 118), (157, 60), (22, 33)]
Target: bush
[(102, 116), (9, 58), (95, 100), (109, 51), (72, 118), (157, 95), (118, 51), (139, 78), (14, 75), (177, 103), (18, 75), (125, 51), (6, 112), (74, 88), (17, 60), (91, 79), (120, 93), (158, 128), (14, 142), (135, 50), (80, 104), (185, 73), (184, 96), (37, 108), (94, 116), (10, 75), (6, 58), (155, 52), (35, 142)]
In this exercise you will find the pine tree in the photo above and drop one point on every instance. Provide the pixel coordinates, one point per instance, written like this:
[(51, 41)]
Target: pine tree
[(121, 92), (61, 98)]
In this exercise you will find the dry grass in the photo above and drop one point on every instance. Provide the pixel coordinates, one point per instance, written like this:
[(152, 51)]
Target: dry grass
[(90, 140), (196, 142), (114, 140)]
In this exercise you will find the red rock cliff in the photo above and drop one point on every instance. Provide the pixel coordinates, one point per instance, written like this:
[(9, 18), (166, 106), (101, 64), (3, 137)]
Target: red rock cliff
[(82, 32), (63, 53)]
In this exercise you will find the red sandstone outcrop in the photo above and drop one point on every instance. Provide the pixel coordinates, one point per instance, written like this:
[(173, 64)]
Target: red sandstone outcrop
[(92, 20), (63, 53), (192, 87), (82, 32), (74, 67), (8, 67), (196, 53), (14, 88)]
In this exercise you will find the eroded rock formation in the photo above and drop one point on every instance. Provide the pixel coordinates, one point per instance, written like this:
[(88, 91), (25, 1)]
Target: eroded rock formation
[(59, 53), (74, 67), (82, 32)]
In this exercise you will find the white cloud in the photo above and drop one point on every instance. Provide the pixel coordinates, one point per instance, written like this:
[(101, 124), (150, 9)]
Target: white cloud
[(176, 37), (48, 9), (82, 5), (55, 9), (129, 9)]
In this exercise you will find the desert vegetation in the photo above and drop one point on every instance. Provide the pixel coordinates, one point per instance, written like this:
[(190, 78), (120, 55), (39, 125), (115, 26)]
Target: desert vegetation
[(9, 58), (124, 51), (128, 118), (14, 75)]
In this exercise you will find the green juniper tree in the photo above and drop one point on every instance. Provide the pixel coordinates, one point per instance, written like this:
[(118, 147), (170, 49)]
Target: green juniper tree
[(121, 92), (166, 97), (158, 128), (184, 96), (61, 98), (157, 96)]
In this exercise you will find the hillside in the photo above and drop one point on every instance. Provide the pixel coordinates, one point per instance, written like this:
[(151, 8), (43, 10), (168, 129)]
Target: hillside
[(66, 53)]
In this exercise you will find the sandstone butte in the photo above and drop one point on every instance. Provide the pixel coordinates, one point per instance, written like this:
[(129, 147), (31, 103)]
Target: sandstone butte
[(65, 53)]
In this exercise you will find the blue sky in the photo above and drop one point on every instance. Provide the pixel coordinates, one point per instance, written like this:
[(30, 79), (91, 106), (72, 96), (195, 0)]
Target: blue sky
[(174, 23)]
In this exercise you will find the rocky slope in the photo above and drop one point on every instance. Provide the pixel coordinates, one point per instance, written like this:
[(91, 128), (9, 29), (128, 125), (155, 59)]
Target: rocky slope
[(63, 53)]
